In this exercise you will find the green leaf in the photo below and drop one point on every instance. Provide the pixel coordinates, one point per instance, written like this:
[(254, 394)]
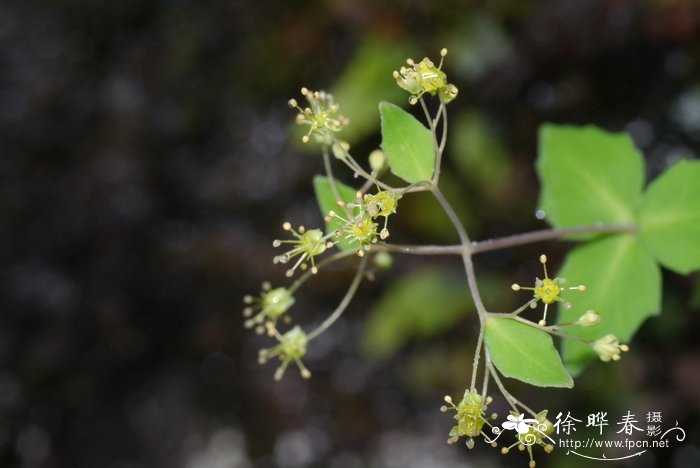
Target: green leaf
[(669, 217), (327, 201), (588, 176), (420, 304), (525, 353), (407, 144), (623, 284)]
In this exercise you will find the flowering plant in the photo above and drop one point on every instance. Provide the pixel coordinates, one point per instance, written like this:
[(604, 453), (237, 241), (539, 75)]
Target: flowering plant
[(592, 189)]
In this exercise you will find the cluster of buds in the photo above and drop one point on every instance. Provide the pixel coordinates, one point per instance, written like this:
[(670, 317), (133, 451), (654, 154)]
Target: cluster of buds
[(264, 311), (307, 245), (291, 347), (358, 226), (530, 432), (424, 77), (547, 291), (609, 348), (322, 115), (470, 416)]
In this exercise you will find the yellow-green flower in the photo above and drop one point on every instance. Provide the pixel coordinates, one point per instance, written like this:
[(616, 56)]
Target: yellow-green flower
[(547, 290), (424, 77), (266, 309), (382, 203), (469, 415), (291, 348), (307, 245), (322, 115)]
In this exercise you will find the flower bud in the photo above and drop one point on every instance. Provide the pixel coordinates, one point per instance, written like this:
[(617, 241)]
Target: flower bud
[(589, 319)]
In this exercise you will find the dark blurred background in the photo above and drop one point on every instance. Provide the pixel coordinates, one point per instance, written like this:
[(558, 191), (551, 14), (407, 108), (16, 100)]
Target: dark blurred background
[(147, 162)]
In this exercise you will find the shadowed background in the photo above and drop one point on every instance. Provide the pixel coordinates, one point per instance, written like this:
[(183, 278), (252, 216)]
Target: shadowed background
[(147, 162)]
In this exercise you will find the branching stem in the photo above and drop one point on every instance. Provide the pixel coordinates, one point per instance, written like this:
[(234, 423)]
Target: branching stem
[(344, 303), (509, 241)]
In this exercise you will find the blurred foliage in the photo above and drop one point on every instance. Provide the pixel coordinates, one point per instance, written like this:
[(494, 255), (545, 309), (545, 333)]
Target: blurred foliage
[(477, 46), (479, 153), (367, 81), (417, 305), (424, 217)]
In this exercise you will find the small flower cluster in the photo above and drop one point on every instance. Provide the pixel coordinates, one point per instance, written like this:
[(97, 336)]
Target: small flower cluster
[(608, 348), (264, 311), (547, 291), (322, 116), (307, 245), (424, 77), (291, 347), (470, 416), (358, 226)]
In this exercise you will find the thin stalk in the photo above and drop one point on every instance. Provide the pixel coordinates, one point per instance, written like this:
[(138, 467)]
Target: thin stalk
[(509, 397), (326, 261), (331, 180), (356, 168), (442, 112), (548, 234), (552, 330), (443, 138), (506, 394), (432, 123), (344, 303), (509, 241), (477, 354), (485, 385), (465, 252)]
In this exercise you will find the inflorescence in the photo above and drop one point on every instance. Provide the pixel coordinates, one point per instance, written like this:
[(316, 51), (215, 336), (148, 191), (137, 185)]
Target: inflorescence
[(307, 245), (470, 416), (322, 115), (424, 77), (358, 226)]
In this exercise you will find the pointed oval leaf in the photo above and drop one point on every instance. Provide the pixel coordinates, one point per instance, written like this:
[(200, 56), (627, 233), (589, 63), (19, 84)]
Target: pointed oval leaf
[(669, 217), (525, 353), (588, 176), (623, 285), (328, 200), (407, 144)]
